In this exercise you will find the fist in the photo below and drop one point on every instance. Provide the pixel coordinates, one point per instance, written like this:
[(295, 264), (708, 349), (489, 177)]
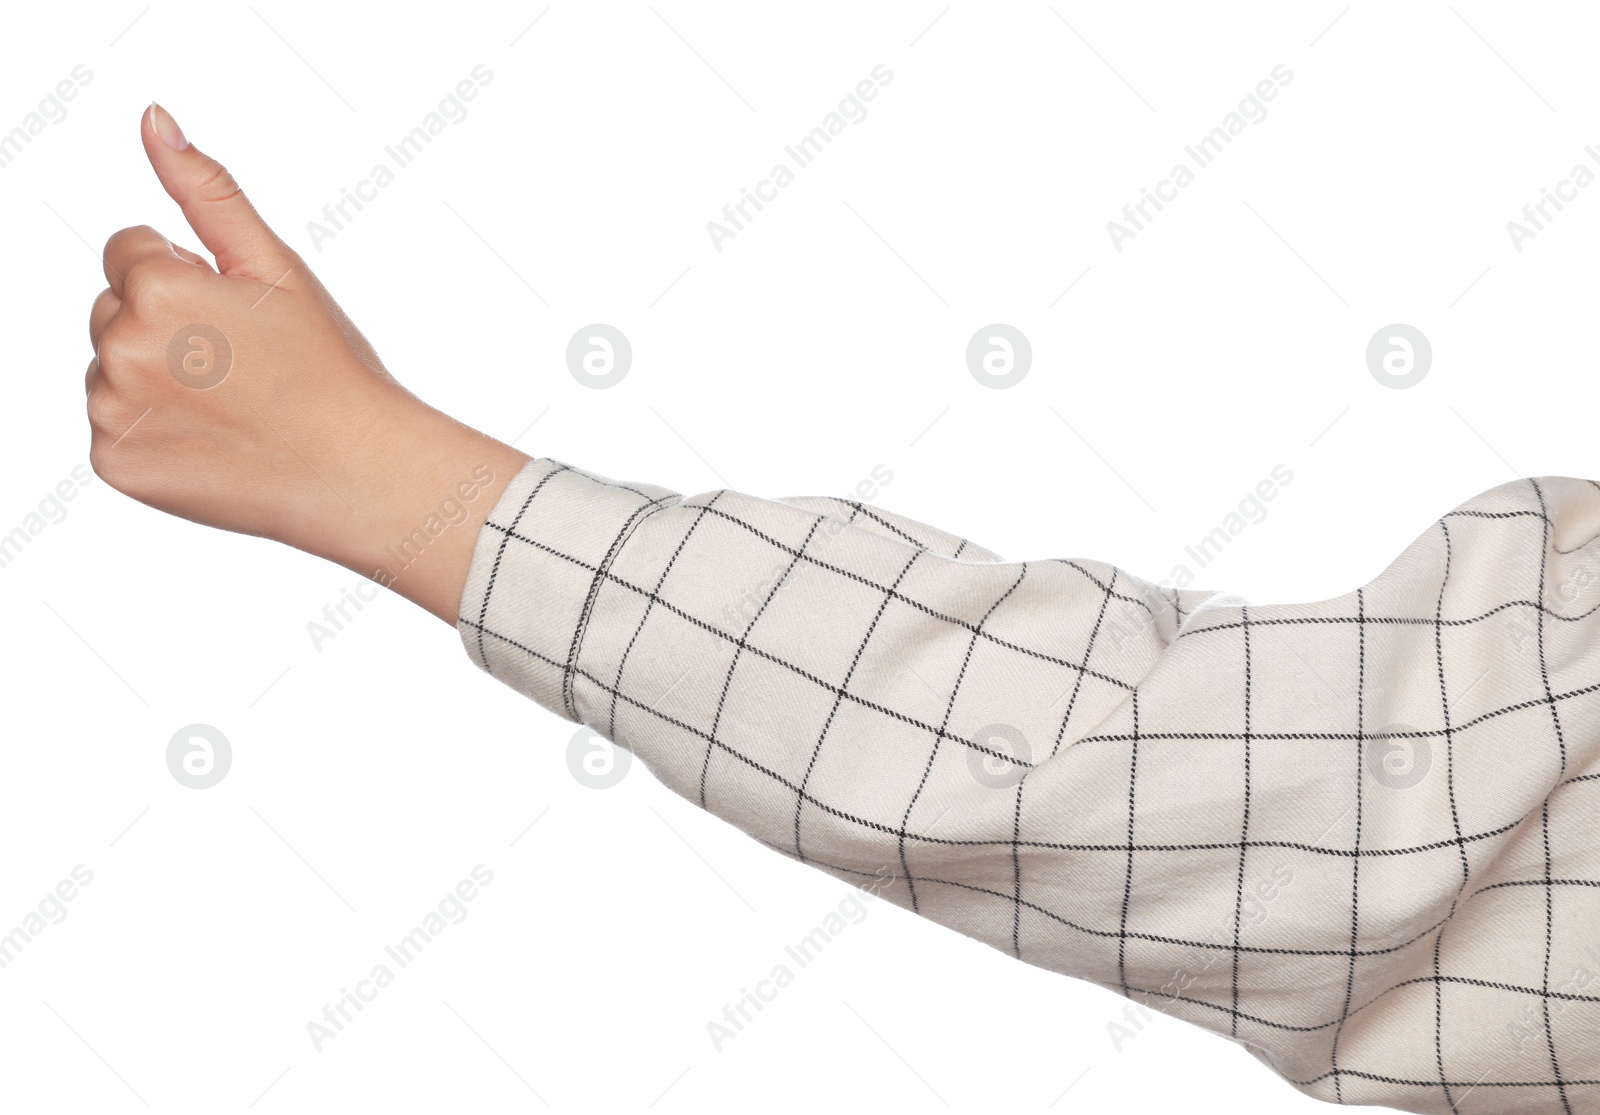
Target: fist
[(236, 394)]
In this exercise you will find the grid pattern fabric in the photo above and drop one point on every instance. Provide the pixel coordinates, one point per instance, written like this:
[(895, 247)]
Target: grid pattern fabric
[(1359, 836)]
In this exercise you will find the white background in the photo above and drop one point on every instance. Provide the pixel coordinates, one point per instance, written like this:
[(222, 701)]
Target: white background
[(372, 774)]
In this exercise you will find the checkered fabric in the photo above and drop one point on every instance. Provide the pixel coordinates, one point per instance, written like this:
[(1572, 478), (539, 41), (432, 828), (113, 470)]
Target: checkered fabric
[(1360, 836)]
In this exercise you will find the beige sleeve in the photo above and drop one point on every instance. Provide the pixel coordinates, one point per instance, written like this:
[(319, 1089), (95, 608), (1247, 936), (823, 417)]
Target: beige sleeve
[(1356, 835)]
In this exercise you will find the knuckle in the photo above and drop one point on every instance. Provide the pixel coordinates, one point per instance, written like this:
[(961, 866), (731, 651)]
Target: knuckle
[(125, 236), (161, 288), (214, 183), (153, 285), (104, 409), (101, 311), (119, 349)]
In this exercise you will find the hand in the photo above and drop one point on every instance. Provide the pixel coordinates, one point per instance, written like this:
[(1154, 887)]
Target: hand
[(240, 396)]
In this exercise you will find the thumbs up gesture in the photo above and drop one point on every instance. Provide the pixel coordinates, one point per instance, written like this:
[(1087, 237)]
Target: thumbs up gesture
[(239, 395)]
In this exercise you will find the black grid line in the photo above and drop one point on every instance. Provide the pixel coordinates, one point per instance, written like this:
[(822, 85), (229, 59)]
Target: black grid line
[(1544, 815), (1355, 860)]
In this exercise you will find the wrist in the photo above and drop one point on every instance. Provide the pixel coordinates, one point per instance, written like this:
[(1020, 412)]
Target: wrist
[(411, 505)]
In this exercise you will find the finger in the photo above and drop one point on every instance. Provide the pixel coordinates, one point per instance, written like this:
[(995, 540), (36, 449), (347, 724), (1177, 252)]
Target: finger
[(212, 202), (92, 376), (100, 314), (128, 247)]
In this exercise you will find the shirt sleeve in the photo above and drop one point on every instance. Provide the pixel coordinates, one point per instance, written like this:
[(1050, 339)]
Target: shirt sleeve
[(1355, 835)]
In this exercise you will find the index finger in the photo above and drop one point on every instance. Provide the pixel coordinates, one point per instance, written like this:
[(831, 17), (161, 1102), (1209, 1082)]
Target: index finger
[(126, 248)]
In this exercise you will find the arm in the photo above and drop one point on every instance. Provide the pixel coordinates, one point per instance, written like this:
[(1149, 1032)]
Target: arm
[(1354, 834)]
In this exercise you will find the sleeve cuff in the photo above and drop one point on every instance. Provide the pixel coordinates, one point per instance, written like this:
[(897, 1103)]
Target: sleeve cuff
[(540, 559)]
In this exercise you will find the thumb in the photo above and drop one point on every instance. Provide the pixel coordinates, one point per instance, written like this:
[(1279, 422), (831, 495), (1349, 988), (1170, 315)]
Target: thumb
[(216, 208)]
